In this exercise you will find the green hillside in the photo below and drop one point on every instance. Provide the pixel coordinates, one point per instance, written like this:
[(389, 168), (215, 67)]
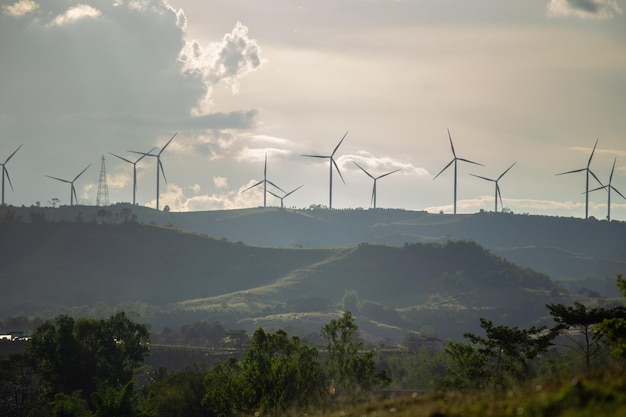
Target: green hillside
[(567, 249), (175, 276)]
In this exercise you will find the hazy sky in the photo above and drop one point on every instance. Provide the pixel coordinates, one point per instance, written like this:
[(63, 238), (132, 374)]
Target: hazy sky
[(534, 81)]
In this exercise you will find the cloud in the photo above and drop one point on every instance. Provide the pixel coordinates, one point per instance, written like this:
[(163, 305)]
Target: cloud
[(220, 182), (380, 165), (74, 14), (175, 198), (20, 8), (226, 62), (586, 9)]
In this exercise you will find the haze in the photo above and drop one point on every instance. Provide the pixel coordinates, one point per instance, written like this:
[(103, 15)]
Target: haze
[(535, 82)]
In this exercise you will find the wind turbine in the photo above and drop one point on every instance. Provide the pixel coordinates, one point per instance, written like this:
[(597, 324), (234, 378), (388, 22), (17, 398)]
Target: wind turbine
[(286, 195), (375, 179), (5, 171), (134, 164), (159, 169), (497, 192), (72, 189), (332, 162), (588, 171), (264, 181), (454, 161), (608, 188)]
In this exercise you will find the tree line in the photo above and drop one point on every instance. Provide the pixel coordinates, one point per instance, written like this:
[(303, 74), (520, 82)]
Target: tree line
[(89, 367)]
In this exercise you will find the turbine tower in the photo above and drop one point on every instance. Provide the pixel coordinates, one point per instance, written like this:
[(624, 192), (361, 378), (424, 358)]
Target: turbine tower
[(285, 196), (264, 181), (587, 171), (375, 179), (159, 169), (332, 162), (71, 183), (454, 161), (102, 199), (608, 188), (134, 164), (6, 172), (497, 192)]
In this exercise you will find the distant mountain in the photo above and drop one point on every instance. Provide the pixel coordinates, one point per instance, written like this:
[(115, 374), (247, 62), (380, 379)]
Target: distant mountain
[(564, 248), (169, 276)]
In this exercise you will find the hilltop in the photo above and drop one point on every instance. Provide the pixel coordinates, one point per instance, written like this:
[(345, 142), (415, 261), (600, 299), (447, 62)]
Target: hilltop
[(566, 249), (168, 277)]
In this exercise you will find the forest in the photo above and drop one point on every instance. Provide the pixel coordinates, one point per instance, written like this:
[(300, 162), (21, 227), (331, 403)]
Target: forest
[(96, 367)]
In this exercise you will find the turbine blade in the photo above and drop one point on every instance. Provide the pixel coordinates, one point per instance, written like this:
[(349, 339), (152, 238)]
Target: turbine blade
[(274, 185), (337, 168), (168, 142), (363, 169), (617, 191), (389, 173), (293, 191), (252, 186), (499, 195), (484, 178), (81, 172), (160, 166), (594, 176), (265, 168), (446, 167), (145, 154), (14, 152), (591, 156), (73, 191), (573, 171), (596, 189), (316, 156), (612, 169), (6, 171), (471, 162), (339, 144), (123, 159), (451, 145), (277, 196), (507, 170), (59, 179)]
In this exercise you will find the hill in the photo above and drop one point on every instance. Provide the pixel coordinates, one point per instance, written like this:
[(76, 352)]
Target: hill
[(566, 249), (170, 277)]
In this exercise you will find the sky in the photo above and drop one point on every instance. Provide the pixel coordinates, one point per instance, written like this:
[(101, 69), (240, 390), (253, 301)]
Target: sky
[(534, 83)]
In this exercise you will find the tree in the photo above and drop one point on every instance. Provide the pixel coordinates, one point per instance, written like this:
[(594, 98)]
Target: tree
[(504, 352), (583, 321), (87, 355), (348, 366), (468, 368), (614, 328), (281, 371)]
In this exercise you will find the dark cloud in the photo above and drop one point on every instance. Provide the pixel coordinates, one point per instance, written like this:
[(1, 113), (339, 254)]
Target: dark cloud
[(597, 9)]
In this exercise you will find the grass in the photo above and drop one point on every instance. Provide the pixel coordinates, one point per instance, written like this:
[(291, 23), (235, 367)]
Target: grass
[(602, 393)]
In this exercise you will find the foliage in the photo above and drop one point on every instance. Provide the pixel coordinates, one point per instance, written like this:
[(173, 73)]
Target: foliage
[(418, 369), (348, 367), (281, 371), (614, 328), (177, 394), (500, 357), (583, 321), (87, 355)]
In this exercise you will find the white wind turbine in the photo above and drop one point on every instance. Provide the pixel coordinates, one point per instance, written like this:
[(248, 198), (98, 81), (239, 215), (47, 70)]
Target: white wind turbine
[(332, 163)]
